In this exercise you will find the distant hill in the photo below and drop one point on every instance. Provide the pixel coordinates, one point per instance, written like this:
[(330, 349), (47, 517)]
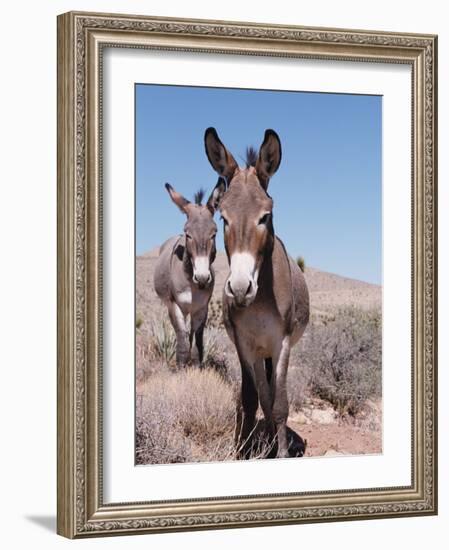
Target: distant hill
[(327, 290)]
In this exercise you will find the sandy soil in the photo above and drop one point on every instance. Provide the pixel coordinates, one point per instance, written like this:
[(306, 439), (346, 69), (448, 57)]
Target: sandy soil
[(336, 440)]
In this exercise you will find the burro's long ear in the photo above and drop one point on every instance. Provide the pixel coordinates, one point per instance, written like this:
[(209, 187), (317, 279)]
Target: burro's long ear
[(177, 198), (270, 155), (215, 197), (221, 159)]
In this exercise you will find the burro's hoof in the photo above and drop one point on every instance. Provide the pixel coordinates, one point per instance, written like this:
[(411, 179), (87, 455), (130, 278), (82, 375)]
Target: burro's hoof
[(296, 444), (261, 445)]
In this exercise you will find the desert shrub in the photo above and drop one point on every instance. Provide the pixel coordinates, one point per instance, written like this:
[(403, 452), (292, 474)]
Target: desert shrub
[(215, 315), (162, 341), (159, 440), (210, 344), (298, 385), (185, 415), (340, 359), (301, 263), (215, 352), (144, 364)]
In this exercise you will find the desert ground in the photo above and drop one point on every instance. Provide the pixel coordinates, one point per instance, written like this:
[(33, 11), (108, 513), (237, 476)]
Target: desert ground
[(334, 379)]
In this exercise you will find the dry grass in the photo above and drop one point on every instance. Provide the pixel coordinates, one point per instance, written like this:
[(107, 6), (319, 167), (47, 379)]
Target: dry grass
[(188, 416), (184, 415)]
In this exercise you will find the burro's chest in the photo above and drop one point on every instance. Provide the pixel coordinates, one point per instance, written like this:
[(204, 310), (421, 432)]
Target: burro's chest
[(191, 299), (259, 326)]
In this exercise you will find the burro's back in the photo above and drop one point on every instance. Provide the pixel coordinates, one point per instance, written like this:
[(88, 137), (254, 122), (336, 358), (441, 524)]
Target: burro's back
[(161, 277), (300, 300)]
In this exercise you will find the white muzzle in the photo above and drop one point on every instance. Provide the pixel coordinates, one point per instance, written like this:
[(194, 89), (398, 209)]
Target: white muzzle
[(201, 271), (241, 284)]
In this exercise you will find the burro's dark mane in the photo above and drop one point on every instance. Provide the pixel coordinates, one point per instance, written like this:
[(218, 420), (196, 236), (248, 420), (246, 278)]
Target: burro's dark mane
[(199, 196), (251, 156)]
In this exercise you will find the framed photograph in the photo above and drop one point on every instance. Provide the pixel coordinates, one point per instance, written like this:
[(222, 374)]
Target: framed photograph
[(247, 275)]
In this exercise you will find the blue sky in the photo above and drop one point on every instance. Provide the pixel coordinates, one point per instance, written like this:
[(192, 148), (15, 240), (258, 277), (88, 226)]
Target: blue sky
[(327, 192)]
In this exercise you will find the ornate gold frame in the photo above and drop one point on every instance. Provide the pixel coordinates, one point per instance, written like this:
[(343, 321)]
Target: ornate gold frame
[(81, 37)]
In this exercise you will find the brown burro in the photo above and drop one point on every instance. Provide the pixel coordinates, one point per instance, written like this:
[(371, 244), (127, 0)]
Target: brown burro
[(184, 277), (265, 298)]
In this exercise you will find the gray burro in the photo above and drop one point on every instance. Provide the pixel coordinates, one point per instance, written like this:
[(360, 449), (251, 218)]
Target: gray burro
[(265, 297), (184, 277)]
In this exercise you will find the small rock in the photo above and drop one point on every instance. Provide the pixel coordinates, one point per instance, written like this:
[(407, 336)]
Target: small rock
[(326, 416), (307, 412), (301, 418), (333, 452)]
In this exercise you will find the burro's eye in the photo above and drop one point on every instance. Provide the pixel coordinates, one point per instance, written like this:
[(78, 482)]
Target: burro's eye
[(213, 237), (225, 221), (263, 220), (189, 237)]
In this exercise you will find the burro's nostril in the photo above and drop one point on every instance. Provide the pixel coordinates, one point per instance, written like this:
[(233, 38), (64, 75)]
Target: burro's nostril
[(202, 279), (248, 290), (228, 284)]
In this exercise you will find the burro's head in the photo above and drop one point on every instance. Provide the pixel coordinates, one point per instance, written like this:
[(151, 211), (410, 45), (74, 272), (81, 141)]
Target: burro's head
[(246, 210), (199, 230)]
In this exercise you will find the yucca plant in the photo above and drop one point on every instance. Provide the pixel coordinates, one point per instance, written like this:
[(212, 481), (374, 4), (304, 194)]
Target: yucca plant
[(163, 341), (210, 344)]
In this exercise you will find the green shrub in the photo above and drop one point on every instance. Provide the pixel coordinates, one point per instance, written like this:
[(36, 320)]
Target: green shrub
[(301, 263)]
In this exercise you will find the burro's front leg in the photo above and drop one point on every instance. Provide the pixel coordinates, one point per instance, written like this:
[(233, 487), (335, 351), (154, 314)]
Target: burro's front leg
[(198, 322), (246, 416), (247, 402), (178, 321), (280, 404), (265, 396)]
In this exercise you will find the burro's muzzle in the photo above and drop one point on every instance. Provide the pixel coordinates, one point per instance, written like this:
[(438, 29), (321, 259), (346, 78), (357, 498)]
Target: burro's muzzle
[(201, 272), (241, 285)]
